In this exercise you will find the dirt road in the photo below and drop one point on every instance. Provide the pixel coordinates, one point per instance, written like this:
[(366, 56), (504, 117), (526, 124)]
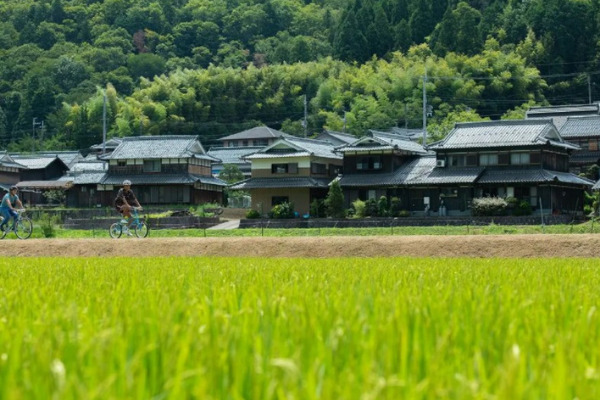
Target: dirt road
[(522, 246)]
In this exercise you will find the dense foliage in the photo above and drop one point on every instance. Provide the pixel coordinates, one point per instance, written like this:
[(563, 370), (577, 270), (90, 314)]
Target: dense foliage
[(214, 67)]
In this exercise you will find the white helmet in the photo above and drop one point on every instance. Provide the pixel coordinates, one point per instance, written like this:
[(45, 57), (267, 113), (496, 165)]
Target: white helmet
[(126, 182)]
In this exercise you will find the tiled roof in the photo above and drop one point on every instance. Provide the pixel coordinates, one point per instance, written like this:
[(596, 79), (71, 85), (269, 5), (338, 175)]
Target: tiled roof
[(275, 183), (232, 155), (68, 157), (336, 138), (412, 134), (494, 134), (161, 179), (584, 157), (581, 127), (453, 176), (560, 114), (299, 147), (85, 178), (530, 175), (259, 132), (154, 147), (412, 172), (381, 141), (35, 162), (58, 184), (110, 144)]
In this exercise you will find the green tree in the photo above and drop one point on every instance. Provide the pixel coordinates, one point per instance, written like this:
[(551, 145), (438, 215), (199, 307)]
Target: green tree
[(231, 173), (334, 202)]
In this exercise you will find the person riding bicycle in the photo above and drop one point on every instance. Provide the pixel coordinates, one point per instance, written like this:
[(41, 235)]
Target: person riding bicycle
[(125, 201), (7, 206)]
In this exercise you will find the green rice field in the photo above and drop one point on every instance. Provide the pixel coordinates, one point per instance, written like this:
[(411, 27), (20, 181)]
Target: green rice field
[(344, 328)]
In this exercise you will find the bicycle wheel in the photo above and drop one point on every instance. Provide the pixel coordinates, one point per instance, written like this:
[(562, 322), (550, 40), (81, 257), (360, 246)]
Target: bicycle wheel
[(116, 230), (23, 228), (141, 230), (4, 230)]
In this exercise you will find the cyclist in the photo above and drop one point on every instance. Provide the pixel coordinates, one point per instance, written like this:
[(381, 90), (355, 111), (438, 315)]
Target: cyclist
[(7, 206), (125, 201)]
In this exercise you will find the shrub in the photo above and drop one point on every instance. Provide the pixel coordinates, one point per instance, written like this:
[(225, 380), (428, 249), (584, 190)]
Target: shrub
[(382, 206), (282, 211), (371, 208), (252, 214), (317, 208), (395, 207), (523, 208), (359, 208), (48, 224), (488, 206), (334, 202), (404, 213)]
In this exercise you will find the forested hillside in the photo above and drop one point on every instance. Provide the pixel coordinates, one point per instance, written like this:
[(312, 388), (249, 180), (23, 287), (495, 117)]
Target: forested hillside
[(214, 67)]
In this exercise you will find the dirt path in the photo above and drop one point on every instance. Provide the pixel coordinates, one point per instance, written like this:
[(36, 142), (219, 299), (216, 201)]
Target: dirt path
[(522, 246)]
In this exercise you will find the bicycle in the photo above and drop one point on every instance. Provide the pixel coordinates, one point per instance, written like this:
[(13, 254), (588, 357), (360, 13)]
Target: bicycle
[(137, 224), (21, 226)]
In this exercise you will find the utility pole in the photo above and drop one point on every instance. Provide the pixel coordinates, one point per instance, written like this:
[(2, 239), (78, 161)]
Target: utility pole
[(305, 121), (425, 108), (104, 123), (344, 129), (589, 82), (34, 125)]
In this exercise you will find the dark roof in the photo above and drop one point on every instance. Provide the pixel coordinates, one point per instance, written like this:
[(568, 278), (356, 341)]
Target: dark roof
[(258, 132), (498, 134), (161, 179), (70, 158), (157, 147), (275, 183), (412, 134), (581, 127), (530, 175), (584, 157), (410, 173)]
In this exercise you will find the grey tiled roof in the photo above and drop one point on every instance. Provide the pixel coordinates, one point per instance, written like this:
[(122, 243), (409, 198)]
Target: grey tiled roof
[(559, 114), (381, 141), (453, 176), (585, 157), (35, 162), (154, 147), (232, 155), (494, 134), (110, 144), (274, 183), (412, 134), (68, 157), (299, 147), (259, 132), (336, 138), (161, 179), (85, 178), (530, 175), (413, 172), (581, 127)]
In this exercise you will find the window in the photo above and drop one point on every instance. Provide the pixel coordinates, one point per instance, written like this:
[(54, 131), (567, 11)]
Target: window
[(369, 163), (260, 142), (121, 163), (151, 165), (279, 168), (279, 200), (488, 159), (245, 143), (318, 168), (593, 145), (519, 158), (503, 158), (471, 161), (290, 168)]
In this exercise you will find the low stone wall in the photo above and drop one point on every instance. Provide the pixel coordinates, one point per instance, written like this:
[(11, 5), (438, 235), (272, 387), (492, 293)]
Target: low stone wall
[(154, 223), (408, 221)]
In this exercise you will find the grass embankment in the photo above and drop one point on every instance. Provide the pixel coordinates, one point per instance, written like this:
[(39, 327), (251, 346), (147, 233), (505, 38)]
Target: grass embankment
[(492, 229), (216, 328)]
